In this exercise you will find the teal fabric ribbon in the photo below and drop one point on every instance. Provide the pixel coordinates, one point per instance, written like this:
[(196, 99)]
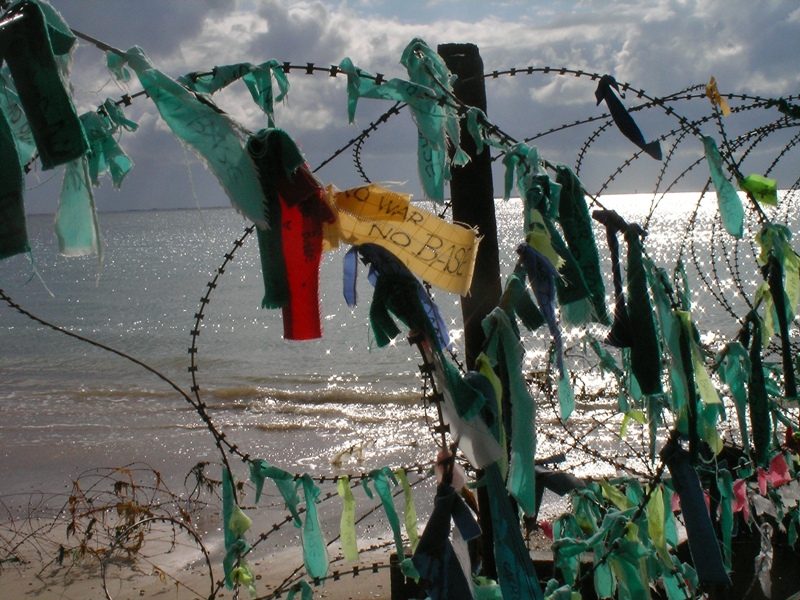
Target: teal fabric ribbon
[(381, 479), (515, 570), (519, 303), (306, 592), (464, 408), (116, 65), (206, 131), (725, 486), (11, 107), (287, 486), (573, 216), (257, 78), (13, 228), (35, 43), (399, 293), (757, 400), (431, 118), (730, 205), (105, 153), (76, 219), (775, 281), (522, 472), (523, 161), (315, 551), (544, 195), (735, 372), (438, 123), (670, 328), (645, 352)]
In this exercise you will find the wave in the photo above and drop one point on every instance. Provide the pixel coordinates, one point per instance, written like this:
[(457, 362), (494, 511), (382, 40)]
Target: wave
[(366, 395)]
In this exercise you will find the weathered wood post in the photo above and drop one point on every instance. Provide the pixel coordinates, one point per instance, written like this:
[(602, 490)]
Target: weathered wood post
[(472, 194)]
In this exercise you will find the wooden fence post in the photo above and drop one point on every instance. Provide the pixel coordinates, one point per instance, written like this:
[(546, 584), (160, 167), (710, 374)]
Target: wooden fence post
[(472, 194)]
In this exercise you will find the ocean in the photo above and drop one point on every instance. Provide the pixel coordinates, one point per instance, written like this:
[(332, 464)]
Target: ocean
[(67, 406)]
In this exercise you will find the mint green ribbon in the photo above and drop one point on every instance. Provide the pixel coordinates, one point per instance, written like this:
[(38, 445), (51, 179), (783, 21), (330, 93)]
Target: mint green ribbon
[(410, 511), (234, 524), (347, 525)]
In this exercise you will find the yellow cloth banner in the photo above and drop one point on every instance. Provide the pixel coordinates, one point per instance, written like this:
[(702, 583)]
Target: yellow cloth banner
[(441, 253), (716, 98)]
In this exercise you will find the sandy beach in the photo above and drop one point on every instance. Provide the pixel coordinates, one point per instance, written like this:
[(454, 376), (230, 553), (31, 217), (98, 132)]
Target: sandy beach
[(178, 574), (86, 583)]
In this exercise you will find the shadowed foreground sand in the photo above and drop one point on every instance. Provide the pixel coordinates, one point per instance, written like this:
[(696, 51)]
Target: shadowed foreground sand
[(136, 581), (167, 567)]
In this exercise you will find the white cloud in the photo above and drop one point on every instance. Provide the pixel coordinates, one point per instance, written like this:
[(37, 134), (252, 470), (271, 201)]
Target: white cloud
[(660, 46)]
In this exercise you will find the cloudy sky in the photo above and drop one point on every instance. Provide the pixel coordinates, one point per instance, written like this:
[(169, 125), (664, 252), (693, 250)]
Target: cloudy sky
[(660, 46)]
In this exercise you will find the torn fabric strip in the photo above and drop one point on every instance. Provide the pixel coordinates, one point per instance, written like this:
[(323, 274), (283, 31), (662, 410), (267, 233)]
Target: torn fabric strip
[(522, 474), (76, 219), (573, 215), (315, 551), (716, 98), (257, 78), (206, 131), (730, 205), (623, 119), (13, 228), (291, 249), (29, 40), (105, 153), (347, 526), (441, 253), (435, 559), (516, 573), (12, 109), (287, 486), (703, 542), (645, 351), (398, 293)]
